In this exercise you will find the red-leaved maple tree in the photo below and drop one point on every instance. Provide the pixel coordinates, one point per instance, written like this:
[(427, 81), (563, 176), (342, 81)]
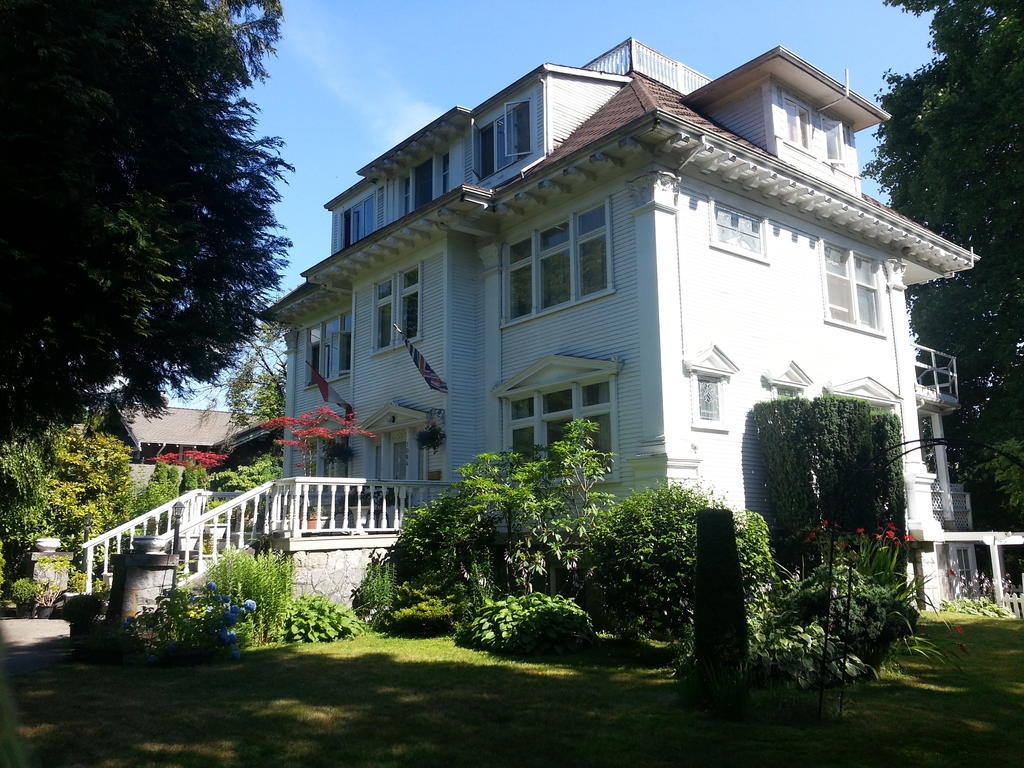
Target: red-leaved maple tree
[(193, 459), (320, 424)]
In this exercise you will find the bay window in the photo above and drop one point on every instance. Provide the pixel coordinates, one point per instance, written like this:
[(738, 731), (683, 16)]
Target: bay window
[(540, 418), (562, 263)]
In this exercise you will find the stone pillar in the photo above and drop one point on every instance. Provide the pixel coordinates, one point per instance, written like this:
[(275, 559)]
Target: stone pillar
[(663, 451), (42, 572), (139, 580)]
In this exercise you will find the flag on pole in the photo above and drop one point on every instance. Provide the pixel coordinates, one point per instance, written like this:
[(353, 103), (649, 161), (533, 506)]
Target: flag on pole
[(434, 381), (329, 393)]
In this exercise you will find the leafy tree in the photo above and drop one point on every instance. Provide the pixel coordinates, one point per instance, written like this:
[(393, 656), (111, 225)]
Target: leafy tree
[(139, 243), (255, 385), (951, 158), (263, 468), (162, 487), (24, 466)]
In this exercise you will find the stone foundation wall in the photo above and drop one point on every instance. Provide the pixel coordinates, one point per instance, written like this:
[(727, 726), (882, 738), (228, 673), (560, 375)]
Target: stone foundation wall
[(333, 569)]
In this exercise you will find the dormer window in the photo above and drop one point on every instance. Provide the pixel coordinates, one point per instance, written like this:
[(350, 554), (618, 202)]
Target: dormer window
[(358, 221), (798, 119), (503, 141)]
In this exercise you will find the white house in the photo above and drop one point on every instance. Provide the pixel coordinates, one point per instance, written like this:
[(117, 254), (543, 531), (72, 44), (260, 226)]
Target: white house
[(628, 241), (639, 244)]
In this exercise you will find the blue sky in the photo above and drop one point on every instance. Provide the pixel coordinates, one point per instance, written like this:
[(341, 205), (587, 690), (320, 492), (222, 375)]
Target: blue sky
[(351, 80)]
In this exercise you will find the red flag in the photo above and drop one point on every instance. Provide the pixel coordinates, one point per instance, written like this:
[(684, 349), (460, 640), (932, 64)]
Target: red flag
[(329, 393)]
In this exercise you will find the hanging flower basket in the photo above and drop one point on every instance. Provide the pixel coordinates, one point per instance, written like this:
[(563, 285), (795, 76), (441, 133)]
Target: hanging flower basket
[(338, 451), (430, 437)]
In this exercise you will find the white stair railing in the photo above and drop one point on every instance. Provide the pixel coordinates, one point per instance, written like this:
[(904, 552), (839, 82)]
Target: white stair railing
[(296, 507), (155, 522)]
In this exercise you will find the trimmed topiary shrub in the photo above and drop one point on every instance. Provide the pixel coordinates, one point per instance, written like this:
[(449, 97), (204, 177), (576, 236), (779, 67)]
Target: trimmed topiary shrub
[(719, 615), (315, 619), (529, 625), (81, 611), (644, 553)]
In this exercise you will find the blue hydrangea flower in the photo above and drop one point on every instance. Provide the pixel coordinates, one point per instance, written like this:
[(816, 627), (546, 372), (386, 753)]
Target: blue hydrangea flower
[(235, 608), (225, 598), (231, 638), (236, 654), (250, 605), (172, 646), (223, 635), (211, 585), (129, 620), (231, 619)]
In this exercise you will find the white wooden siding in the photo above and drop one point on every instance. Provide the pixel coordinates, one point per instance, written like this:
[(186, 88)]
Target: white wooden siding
[(744, 116), (464, 350), (571, 101)]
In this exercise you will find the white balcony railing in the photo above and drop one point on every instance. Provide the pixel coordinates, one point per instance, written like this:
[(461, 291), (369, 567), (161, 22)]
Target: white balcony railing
[(952, 509), (936, 376), (292, 507)]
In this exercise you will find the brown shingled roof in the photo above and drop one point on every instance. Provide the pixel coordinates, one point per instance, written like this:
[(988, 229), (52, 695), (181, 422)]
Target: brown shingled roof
[(181, 426), (635, 99)]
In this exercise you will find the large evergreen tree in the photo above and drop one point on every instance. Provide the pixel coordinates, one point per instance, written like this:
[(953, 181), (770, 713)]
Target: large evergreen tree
[(952, 157), (138, 243)]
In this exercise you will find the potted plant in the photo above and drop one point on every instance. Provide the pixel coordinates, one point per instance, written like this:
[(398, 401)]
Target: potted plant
[(47, 597), (24, 593), (431, 436), (340, 450)]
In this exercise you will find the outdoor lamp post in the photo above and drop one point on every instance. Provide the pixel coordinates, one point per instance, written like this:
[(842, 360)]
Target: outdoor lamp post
[(176, 512)]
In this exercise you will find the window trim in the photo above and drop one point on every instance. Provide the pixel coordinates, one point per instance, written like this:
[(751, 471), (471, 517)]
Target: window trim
[(363, 206), (397, 300), (852, 282), (536, 258), (716, 242)]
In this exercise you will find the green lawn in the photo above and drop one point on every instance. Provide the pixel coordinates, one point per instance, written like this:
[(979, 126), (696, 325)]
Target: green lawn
[(384, 702)]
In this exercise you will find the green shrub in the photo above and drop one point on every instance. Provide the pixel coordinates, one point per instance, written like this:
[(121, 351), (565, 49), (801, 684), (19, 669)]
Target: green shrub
[(25, 591), (720, 617), (375, 595), (162, 487), (2, 564), (315, 619), (265, 578), (82, 609), (879, 614), (447, 538), (528, 625), (783, 652), (644, 557), (981, 607), (422, 611), (264, 468)]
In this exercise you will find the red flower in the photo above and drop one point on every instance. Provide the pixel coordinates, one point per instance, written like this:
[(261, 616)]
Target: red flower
[(824, 523), (890, 535), (878, 535), (812, 536), (890, 526), (962, 647), (859, 530), (908, 537), (951, 572), (959, 629)]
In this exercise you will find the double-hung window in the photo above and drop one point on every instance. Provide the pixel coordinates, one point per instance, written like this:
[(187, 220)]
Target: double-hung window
[(397, 302), (833, 130), (851, 284), (565, 262), (423, 182), (540, 418), (738, 231), (446, 167), (329, 347), (504, 140)]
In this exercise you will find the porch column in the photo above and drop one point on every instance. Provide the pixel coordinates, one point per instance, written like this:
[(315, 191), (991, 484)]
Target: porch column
[(663, 451), (919, 507), (997, 568), (942, 468)]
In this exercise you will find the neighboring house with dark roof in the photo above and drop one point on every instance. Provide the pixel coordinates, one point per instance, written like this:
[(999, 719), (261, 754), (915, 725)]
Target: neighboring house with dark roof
[(638, 244)]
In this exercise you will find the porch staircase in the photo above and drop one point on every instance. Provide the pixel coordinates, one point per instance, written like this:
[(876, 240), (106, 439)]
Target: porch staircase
[(201, 525)]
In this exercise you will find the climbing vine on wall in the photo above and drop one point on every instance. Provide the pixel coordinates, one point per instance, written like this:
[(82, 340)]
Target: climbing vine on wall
[(829, 458)]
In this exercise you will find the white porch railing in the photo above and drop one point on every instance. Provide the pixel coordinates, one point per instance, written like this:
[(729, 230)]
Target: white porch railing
[(936, 376), (155, 522), (291, 507)]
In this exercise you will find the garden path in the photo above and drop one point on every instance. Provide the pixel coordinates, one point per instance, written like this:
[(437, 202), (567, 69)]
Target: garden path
[(32, 644)]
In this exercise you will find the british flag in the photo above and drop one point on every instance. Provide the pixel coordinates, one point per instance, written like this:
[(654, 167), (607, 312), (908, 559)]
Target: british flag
[(434, 381)]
